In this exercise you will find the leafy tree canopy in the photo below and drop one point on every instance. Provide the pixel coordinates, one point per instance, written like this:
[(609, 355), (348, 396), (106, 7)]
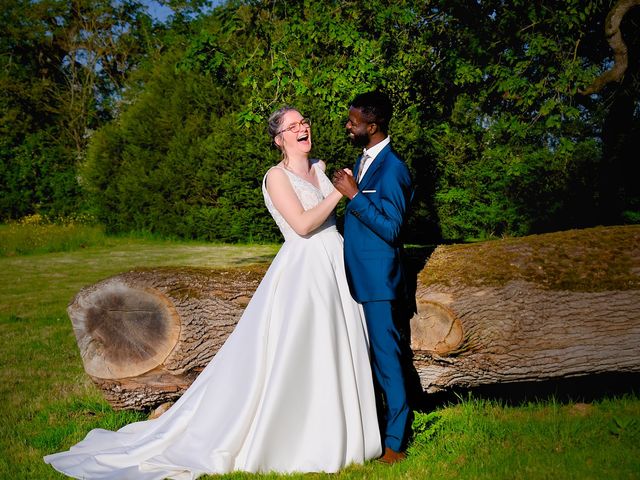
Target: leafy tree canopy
[(489, 114)]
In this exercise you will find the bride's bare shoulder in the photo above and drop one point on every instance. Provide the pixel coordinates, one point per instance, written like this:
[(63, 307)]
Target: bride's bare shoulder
[(275, 174)]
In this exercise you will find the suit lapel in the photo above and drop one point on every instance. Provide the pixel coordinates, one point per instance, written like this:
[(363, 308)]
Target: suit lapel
[(374, 167), (356, 167)]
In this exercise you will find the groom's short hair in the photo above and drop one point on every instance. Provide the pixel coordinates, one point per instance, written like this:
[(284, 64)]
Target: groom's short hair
[(376, 106)]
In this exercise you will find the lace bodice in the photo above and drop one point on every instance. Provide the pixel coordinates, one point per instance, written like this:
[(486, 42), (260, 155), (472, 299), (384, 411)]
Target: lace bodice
[(308, 195)]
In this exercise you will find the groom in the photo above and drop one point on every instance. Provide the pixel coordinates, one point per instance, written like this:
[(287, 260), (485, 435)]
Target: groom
[(379, 193)]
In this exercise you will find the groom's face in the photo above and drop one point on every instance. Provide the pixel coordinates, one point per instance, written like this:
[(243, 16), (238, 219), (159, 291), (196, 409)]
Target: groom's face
[(357, 128)]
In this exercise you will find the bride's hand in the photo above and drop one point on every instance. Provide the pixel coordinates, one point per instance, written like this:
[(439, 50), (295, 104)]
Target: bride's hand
[(344, 182)]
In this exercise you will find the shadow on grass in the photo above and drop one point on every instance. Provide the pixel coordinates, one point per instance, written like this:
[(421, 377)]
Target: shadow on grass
[(586, 389)]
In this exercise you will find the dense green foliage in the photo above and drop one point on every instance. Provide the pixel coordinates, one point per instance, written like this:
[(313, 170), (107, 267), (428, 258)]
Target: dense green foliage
[(488, 117), (176, 164), (62, 67)]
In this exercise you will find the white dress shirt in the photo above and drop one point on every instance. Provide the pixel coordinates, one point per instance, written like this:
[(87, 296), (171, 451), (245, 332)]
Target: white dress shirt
[(369, 155)]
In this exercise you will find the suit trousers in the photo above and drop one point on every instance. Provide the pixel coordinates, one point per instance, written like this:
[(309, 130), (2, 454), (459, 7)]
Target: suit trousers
[(386, 354)]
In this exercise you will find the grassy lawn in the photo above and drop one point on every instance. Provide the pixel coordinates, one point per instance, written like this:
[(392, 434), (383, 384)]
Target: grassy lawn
[(47, 403)]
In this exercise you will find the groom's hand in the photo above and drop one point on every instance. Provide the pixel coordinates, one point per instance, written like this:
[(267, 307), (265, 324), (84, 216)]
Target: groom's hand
[(345, 183)]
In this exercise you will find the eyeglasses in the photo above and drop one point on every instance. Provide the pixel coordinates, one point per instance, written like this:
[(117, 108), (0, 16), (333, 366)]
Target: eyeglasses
[(295, 127)]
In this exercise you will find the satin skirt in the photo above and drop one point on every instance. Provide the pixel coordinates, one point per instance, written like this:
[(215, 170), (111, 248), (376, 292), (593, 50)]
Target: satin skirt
[(290, 390)]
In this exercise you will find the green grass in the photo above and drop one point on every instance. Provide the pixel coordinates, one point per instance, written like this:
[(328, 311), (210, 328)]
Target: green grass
[(37, 237), (47, 403), (43, 284)]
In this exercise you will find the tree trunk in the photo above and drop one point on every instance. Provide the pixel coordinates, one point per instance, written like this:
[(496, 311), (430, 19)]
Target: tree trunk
[(535, 308), (530, 309)]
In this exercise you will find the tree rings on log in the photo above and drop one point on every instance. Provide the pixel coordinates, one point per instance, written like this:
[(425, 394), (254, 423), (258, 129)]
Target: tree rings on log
[(435, 328), (123, 331)]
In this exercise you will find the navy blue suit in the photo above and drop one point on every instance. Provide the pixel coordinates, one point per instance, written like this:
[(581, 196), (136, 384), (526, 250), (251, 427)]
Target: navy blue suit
[(372, 248)]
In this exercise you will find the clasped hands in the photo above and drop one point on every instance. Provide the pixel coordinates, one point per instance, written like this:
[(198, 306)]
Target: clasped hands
[(345, 183)]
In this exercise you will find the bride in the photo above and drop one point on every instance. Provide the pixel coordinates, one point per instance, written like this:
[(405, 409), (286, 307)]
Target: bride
[(291, 389)]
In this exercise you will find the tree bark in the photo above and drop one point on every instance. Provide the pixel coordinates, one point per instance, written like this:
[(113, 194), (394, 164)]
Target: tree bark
[(530, 309), (513, 310)]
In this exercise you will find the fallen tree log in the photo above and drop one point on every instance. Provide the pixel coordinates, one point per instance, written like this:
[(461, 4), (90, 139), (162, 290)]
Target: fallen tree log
[(512, 310), (145, 335), (529, 309)]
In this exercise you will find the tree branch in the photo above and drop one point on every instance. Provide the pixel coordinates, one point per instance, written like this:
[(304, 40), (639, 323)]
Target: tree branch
[(614, 38)]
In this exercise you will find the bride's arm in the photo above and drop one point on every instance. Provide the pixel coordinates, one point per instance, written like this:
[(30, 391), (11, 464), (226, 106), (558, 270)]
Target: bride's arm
[(286, 201)]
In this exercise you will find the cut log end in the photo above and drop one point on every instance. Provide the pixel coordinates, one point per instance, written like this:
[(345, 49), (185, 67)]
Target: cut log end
[(435, 328), (124, 331)]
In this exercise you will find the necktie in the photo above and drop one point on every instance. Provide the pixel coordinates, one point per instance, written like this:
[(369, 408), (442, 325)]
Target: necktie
[(363, 162)]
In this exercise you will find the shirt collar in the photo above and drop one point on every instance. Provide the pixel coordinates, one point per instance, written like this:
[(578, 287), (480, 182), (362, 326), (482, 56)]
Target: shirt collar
[(377, 148)]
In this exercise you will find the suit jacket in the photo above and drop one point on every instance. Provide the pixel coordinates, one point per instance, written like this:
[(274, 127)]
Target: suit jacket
[(372, 227)]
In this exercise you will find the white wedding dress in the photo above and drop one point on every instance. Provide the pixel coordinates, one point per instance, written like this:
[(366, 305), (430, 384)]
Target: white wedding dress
[(290, 390)]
